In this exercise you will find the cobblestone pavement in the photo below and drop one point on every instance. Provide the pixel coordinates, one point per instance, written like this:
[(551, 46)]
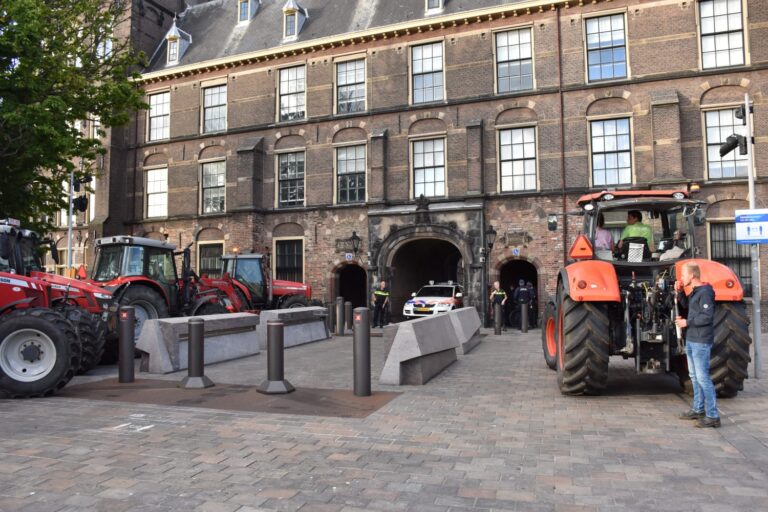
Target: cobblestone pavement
[(490, 433)]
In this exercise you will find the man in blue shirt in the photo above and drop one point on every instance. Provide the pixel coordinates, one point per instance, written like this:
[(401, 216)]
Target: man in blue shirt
[(699, 337)]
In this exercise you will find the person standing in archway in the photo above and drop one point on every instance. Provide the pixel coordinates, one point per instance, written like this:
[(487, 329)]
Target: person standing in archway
[(380, 305), (498, 296)]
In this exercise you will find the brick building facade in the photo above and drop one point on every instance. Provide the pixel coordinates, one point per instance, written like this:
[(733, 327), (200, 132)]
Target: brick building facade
[(284, 127)]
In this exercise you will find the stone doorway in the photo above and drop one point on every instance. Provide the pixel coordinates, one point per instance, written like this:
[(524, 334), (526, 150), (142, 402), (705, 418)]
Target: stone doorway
[(510, 275), (418, 262), (352, 281)]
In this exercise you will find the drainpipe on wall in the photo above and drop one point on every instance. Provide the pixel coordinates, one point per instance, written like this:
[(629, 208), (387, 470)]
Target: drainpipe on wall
[(562, 136)]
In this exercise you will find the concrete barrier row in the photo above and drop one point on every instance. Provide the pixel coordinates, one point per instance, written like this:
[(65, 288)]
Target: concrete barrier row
[(422, 348)]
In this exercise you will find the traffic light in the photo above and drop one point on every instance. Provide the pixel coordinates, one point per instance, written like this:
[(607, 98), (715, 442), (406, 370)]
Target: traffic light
[(80, 203), (739, 113), (731, 143), (81, 181)]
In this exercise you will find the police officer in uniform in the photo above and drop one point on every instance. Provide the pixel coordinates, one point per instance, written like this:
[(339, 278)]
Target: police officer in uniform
[(380, 305), (533, 305), (498, 296)]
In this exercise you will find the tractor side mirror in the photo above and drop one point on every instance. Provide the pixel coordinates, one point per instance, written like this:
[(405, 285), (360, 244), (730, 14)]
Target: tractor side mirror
[(552, 222), (5, 247)]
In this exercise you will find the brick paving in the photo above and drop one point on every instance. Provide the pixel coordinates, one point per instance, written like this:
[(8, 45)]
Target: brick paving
[(490, 433)]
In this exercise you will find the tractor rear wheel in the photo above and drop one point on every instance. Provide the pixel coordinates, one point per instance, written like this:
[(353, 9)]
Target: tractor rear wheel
[(730, 351), (39, 353), (90, 334), (295, 301), (211, 308), (548, 336), (147, 303), (583, 346)]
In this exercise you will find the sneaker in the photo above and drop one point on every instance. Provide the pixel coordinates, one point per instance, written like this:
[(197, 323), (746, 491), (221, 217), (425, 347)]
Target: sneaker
[(692, 415), (707, 422)]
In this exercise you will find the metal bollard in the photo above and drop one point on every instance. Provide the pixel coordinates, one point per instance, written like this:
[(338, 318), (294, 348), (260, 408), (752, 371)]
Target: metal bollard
[(196, 378), (498, 318), (331, 317), (339, 316), (361, 351), (348, 314), (275, 383), (126, 344), (523, 317)]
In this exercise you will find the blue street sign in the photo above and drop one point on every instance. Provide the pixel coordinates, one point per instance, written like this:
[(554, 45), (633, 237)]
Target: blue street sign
[(515, 252), (752, 226)]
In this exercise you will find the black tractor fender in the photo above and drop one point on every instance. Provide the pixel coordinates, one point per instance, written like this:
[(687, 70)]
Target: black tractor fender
[(201, 301), (12, 305)]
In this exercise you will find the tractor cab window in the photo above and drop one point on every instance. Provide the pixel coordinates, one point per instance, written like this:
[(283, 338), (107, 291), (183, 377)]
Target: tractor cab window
[(248, 271), (108, 263), (30, 257), (654, 235), (134, 261), (160, 265)]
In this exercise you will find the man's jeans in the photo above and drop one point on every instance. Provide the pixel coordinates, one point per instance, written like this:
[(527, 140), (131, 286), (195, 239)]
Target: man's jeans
[(698, 369)]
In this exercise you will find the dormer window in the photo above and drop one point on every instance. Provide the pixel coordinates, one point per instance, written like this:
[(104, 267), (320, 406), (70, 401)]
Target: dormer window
[(290, 25), (294, 17), (434, 6), (246, 9), (173, 51), (177, 42)]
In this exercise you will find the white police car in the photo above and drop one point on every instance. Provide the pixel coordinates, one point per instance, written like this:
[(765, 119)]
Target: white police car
[(434, 298)]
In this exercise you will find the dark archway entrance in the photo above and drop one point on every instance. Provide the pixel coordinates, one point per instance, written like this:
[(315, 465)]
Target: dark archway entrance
[(353, 285), (510, 275), (416, 263)]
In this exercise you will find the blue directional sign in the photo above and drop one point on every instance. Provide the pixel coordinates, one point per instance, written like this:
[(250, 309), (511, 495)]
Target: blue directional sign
[(752, 226)]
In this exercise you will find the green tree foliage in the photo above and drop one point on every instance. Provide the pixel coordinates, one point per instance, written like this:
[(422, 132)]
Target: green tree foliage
[(61, 62)]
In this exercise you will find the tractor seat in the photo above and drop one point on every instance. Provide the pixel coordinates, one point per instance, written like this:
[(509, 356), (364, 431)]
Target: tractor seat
[(635, 249)]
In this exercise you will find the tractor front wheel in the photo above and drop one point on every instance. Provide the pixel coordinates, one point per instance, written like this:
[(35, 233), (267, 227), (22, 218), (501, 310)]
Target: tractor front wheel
[(295, 301), (39, 353), (583, 346), (549, 336)]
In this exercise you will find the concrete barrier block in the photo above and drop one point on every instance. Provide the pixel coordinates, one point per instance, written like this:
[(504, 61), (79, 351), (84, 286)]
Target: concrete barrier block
[(466, 323), (302, 325), (420, 349), (227, 336)]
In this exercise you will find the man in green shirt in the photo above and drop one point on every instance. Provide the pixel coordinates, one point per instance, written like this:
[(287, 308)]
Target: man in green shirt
[(636, 228)]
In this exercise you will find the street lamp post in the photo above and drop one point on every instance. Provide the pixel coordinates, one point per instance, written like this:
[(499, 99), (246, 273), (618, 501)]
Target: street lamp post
[(490, 239), (355, 242)]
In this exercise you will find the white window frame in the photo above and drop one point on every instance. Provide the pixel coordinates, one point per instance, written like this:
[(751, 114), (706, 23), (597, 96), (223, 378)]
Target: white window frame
[(173, 50), (222, 106), (278, 155), (203, 188), (734, 156), (413, 74), (745, 54), (240, 11), (336, 84), (147, 193), (275, 240), (500, 151), (597, 16), (280, 94), (290, 21), (434, 10), (412, 149), (165, 130), (612, 117), (497, 62), (336, 174), (200, 246)]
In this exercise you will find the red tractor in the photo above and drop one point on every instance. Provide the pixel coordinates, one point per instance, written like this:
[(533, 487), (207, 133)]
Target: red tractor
[(142, 273), (252, 289), (85, 305), (617, 298), (40, 350)]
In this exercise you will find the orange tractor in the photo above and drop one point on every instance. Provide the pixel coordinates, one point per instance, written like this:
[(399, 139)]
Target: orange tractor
[(617, 298)]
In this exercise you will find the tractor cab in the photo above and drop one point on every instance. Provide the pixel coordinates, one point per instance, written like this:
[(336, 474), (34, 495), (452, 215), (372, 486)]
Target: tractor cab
[(22, 248), (122, 259), (646, 228), (249, 270)]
